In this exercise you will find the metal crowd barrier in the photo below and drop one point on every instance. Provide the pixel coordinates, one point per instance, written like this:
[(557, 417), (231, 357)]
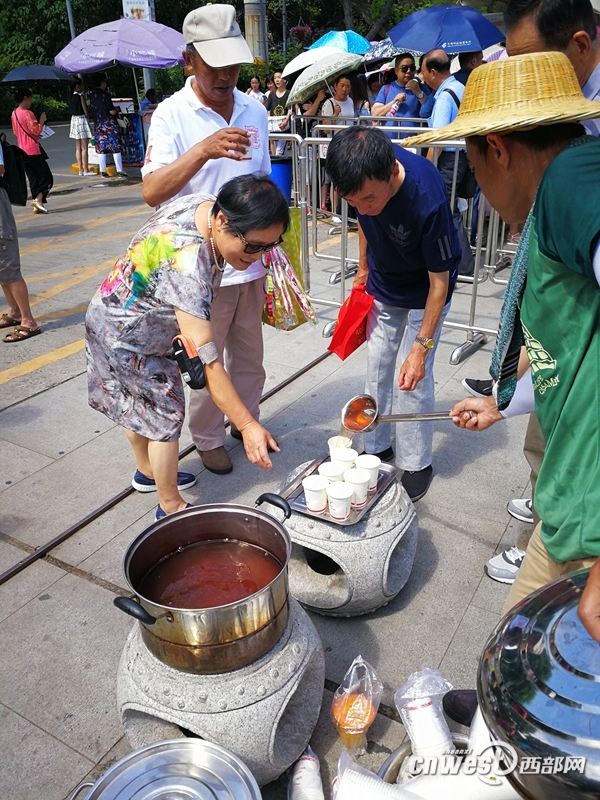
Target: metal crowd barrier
[(306, 183)]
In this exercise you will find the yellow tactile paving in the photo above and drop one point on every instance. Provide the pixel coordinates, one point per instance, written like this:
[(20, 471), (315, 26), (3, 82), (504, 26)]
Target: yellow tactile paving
[(41, 361)]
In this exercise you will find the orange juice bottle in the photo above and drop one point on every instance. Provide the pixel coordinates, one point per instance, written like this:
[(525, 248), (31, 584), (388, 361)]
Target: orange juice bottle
[(353, 715)]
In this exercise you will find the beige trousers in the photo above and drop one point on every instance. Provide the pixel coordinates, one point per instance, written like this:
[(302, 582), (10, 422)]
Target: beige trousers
[(539, 568), (237, 333)]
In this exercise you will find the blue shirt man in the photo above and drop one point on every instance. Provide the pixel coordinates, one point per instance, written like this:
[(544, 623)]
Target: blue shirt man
[(408, 258), (448, 93)]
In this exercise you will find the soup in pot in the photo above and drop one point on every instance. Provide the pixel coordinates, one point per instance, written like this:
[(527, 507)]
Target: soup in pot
[(209, 574)]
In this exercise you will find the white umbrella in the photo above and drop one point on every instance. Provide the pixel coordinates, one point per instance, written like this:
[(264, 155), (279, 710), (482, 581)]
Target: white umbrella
[(489, 51), (307, 59), (317, 76)]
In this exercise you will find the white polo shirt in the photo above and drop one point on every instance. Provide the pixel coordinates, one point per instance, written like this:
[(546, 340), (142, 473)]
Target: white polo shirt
[(181, 121)]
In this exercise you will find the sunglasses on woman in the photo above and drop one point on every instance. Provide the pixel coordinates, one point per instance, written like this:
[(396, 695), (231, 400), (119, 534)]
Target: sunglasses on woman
[(407, 67), (252, 249)]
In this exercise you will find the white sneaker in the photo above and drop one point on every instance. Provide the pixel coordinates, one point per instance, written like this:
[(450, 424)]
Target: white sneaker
[(504, 567), (81, 173), (39, 207), (521, 510), (87, 173)]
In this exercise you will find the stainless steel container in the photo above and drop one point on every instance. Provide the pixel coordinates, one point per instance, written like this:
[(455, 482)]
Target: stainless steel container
[(224, 638), (539, 690), (180, 768)]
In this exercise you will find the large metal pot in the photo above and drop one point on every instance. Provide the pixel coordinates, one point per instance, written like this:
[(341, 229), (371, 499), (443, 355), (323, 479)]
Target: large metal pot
[(224, 638), (539, 691)]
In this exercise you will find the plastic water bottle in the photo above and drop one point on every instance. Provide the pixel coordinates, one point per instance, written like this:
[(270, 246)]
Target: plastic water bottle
[(393, 109)]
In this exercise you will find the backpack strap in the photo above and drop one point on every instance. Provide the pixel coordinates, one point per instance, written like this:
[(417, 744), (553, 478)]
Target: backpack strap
[(453, 96)]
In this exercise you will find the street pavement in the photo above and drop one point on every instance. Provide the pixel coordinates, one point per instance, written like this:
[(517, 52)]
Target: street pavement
[(60, 635)]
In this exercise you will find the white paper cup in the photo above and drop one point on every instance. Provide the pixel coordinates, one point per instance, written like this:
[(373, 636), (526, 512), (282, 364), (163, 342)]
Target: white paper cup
[(359, 480), (344, 457), (337, 443), (331, 471), (315, 493), (247, 156), (371, 464), (339, 495)]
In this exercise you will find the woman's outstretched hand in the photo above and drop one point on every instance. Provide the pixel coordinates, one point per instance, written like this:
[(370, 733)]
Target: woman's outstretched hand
[(257, 440)]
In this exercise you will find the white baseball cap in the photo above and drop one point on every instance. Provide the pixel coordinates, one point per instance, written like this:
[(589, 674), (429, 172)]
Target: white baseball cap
[(215, 34)]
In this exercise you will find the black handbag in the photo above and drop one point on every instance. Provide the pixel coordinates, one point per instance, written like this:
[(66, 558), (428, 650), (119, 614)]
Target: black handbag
[(14, 172)]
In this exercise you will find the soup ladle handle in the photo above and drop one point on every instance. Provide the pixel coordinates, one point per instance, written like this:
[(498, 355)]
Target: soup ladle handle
[(130, 606)]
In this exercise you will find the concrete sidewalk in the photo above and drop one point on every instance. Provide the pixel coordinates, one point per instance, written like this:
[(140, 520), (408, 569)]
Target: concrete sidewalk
[(60, 635)]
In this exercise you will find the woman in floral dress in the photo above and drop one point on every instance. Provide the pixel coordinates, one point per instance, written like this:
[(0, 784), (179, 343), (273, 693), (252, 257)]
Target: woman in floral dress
[(107, 134), (163, 285)]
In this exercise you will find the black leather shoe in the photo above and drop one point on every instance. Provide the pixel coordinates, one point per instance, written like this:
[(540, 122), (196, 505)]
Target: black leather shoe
[(460, 705), (417, 483)]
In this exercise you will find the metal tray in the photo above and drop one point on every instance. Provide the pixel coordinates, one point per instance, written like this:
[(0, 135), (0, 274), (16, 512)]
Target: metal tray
[(296, 499)]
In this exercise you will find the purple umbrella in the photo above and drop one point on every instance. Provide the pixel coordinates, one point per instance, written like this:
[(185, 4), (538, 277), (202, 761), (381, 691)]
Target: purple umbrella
[(131, 42)]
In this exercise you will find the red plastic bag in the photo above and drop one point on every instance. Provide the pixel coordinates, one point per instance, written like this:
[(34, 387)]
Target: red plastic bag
[(351, 327)]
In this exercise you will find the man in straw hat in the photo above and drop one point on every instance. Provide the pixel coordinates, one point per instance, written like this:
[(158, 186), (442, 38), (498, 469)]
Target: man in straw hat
[(199, 139), (519, 118), (535, 166), (569, 27)]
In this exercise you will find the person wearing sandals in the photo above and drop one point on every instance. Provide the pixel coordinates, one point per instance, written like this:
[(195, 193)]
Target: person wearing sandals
[(19, 314), (28, 132), (163, 286), (80, 129), (106, 129)]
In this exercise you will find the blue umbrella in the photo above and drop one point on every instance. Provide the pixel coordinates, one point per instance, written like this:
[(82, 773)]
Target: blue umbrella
[(36, 72), (348, 41), (455, 29)]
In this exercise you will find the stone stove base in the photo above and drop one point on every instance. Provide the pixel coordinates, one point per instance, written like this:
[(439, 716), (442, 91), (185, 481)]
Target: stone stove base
[(265, 712)]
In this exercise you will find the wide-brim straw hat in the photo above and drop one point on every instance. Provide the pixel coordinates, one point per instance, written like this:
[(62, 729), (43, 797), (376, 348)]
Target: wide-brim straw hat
[(514, 94)]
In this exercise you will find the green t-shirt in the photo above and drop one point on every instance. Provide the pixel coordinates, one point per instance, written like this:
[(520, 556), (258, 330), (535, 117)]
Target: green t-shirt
[(561, 323)]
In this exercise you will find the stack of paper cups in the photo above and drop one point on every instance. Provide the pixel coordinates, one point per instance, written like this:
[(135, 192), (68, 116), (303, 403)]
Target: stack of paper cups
[(356, 785), (427, 728)]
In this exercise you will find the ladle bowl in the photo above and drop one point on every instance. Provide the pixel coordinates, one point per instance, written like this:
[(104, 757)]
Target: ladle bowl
[(360, 415)]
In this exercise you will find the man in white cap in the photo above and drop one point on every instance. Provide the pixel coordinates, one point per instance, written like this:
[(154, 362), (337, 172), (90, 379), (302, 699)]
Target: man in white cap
[(200, 137)]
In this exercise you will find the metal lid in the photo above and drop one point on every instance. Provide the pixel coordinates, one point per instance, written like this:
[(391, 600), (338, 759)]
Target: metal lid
[(539, 679), (178, 769)]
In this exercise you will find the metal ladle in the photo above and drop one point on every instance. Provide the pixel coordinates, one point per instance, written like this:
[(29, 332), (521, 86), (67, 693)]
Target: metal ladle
[(360, 415)]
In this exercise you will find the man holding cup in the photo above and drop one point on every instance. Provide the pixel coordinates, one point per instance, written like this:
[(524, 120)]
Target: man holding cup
[(201, 137)]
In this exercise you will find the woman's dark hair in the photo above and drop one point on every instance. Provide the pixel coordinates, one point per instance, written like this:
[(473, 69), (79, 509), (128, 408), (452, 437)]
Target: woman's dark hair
[(360, 92), (75, 85), (269, 79), (252, 203), (374, 78), (21, 94), (539, 139), (258, 79), (387, 77), (151, 95), (357, 154), (556, 20)]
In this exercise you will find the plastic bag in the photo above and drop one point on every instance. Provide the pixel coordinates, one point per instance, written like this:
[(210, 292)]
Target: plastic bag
[(305, 783), (287, 305), (419, 703), (355, 705), (351, 327)]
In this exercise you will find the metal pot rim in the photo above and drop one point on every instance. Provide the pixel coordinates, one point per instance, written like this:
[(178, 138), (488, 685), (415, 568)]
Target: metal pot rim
[(196, 510)]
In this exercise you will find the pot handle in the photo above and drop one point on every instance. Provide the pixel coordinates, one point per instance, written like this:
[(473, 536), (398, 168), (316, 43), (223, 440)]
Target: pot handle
[(79, 788), (134, 609), (275, 500)]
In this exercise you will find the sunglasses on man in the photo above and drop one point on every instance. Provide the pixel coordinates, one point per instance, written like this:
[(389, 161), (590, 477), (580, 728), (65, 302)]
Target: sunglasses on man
[(408, 67)]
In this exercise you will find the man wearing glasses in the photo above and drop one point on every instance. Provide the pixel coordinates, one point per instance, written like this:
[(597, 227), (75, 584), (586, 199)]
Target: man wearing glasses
[(400, 99), (448, 92), (200, 137)]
